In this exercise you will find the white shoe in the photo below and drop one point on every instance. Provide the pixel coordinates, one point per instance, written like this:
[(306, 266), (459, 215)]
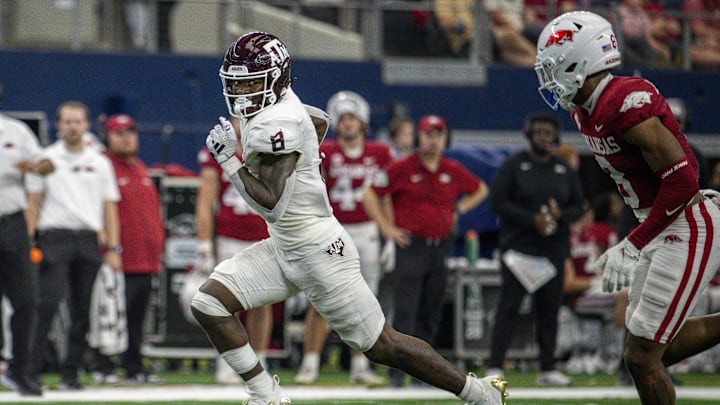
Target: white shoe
[(99, 378), (306, 376), (494, 386), (553, 378), (224, 374), (277, 397), (366, 376)]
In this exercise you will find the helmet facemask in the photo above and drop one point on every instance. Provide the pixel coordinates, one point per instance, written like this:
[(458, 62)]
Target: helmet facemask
[(558, 87), (248, 104)]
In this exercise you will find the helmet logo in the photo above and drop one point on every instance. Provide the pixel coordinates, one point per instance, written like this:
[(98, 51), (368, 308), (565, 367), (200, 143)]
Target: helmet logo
[(277, 52), (560, 37)]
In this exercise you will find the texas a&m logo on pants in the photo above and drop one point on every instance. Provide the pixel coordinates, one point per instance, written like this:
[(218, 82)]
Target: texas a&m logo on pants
[(336, 248)]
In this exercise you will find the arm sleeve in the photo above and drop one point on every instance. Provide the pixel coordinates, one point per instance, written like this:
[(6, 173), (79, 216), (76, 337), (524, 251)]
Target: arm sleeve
[(678, 186), (469, 181)]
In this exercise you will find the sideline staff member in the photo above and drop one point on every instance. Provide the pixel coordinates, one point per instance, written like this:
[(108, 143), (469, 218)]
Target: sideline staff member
[(18, 279), (424, 185)]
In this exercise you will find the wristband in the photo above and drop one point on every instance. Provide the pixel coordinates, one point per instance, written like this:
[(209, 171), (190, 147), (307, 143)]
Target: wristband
[(115, 249), (231, 165)]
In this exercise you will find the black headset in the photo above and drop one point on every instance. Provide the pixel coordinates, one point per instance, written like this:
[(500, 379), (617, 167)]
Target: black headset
[(542, 117)]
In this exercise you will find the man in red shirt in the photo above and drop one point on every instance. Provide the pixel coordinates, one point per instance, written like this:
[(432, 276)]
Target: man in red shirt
[(423, 189), (142, 236)]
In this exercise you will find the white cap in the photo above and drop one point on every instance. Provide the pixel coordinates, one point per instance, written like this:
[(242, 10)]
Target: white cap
[(348, 102)]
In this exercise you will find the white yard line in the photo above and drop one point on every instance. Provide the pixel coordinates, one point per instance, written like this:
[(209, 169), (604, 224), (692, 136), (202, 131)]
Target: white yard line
[(209, 393)]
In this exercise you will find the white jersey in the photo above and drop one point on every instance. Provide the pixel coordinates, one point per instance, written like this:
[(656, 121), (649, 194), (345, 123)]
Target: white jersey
[(17, 143), (75, 193), (308, 223)]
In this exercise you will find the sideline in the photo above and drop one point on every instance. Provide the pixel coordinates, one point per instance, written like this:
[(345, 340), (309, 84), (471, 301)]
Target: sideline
[(209, 393)]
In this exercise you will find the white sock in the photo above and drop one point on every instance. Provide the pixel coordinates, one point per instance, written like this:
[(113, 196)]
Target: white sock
[(311, 361), (471, 391), (242, 359), (261, 385), (358, 362)]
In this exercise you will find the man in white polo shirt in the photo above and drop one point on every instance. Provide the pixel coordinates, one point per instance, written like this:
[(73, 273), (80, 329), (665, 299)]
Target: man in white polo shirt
[(74, 212)]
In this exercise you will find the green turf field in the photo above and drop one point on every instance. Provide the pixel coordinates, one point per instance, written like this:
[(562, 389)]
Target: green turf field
[(331, 377)]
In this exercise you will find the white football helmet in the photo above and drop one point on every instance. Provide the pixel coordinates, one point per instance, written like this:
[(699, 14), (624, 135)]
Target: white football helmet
[(348, 102), (570, 48)]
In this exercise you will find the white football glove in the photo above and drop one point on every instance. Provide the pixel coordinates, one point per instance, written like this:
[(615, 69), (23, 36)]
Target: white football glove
[(618, 264), (205, 261), (222, 141)]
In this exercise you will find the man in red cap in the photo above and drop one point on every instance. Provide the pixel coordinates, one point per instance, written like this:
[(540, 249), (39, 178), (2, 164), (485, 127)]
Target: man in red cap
[(427, 192), (141, 236)]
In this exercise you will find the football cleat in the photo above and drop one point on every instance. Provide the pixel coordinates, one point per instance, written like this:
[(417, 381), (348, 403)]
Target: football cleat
[(494, 386), (277, 397)]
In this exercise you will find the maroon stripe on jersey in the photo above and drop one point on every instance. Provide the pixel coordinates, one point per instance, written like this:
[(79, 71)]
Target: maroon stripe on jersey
[(703, 264), (692, 245)]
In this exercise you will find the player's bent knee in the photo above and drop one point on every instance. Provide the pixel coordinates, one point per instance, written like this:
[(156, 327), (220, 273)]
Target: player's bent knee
[(208, 305)]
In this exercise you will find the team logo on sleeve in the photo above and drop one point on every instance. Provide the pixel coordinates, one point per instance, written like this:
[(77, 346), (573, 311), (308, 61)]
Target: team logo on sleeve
[(636, 99)]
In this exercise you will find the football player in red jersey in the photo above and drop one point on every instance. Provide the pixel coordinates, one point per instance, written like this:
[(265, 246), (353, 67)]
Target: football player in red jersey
[(349, 165), (669, 258)]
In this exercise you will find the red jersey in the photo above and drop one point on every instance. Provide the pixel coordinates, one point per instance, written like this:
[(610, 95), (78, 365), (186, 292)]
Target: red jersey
[(624, 103), (347, 176), (142, 234), (234, 218), (586, 247), (424, 202)]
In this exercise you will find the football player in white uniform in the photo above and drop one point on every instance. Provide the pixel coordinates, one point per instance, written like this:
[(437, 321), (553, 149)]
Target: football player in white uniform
[(308, 250), (671, 256)]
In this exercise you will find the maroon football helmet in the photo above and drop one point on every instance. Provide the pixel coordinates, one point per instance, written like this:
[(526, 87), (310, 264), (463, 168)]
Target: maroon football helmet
[(255, 56)]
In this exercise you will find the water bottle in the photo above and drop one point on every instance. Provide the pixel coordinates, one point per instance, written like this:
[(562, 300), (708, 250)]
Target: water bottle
[(472, 247)]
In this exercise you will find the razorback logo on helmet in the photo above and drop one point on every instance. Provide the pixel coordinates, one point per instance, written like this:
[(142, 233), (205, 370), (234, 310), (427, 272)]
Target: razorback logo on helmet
[(276, 51), (636, 99), (560, 37)]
